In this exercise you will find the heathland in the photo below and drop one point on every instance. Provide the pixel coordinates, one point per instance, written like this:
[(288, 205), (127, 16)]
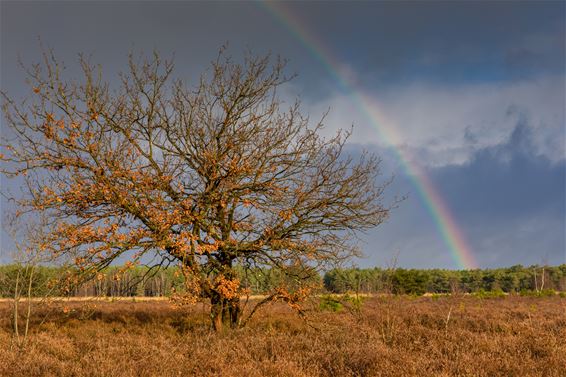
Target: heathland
[(385, 335)]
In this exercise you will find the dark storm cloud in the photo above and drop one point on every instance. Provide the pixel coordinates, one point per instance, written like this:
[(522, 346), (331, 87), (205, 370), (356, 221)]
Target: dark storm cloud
[(193, 31), (509, 202), (512, 200), (506, 180), (385, 42), (459, 41)]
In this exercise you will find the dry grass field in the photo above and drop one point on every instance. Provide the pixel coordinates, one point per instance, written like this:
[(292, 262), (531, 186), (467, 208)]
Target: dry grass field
[(391, 336)]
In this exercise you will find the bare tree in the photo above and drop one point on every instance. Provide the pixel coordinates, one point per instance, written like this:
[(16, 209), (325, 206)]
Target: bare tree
[(208, 177), (29, 242)]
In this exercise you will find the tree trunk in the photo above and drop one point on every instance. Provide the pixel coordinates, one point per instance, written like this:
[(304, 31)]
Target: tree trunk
[(216, 312), (234, 311), (225, 312)]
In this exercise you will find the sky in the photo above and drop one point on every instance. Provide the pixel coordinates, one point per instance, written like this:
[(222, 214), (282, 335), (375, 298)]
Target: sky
[(463, 101)]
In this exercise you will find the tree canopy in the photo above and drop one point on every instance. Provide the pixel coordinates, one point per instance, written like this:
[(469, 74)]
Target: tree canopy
[(207, 177)]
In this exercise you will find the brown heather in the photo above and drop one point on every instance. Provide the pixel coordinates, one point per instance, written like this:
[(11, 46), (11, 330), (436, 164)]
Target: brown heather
[(392, 336)]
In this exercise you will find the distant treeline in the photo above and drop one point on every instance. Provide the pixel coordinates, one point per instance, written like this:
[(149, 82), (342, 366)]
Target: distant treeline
[(111, 282), (141, 281), (404, 281), (118, 281)]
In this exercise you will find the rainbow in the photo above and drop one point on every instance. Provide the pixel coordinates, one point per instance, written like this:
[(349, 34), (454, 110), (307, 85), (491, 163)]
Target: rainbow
[(449, 230)]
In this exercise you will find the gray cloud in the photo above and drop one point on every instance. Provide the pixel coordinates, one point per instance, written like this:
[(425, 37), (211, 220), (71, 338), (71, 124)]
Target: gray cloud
[(441, 124), (509, 201)]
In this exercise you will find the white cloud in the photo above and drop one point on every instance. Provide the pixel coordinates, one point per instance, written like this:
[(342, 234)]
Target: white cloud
[(443, 124)]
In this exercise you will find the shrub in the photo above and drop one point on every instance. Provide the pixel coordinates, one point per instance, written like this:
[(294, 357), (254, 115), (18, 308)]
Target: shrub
[(330, 303), (543, 293), (498, 293), (355, 301)]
